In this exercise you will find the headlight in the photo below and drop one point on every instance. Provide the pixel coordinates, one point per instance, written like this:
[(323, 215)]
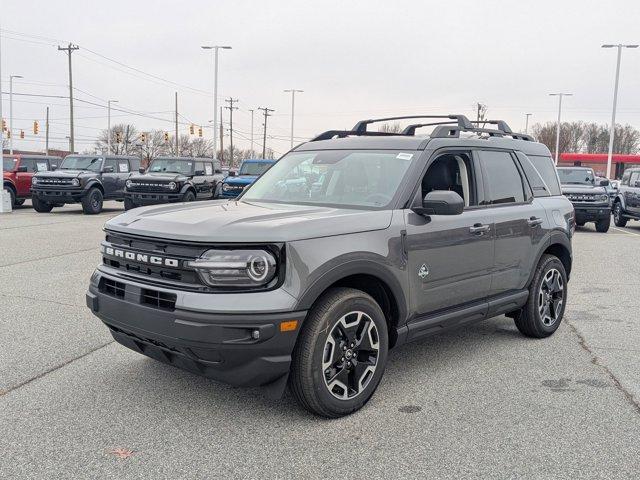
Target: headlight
[(173, 185), (225, 187), (236, 268), (603, 198), (75, 182), (34, 180), (128, 184)]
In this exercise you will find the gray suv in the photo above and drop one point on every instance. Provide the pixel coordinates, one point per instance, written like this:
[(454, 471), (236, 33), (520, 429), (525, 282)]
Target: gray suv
[(350, 245)]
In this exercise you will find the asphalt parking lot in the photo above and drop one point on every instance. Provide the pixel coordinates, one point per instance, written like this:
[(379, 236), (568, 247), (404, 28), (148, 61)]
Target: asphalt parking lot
[(483, 402)]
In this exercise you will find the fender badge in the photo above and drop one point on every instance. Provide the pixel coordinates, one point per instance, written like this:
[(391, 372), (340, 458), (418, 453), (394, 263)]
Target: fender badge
[(423, 271)]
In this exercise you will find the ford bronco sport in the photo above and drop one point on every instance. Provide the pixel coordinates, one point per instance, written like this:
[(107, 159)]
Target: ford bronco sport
[(174, 179), (86, 179), (350, 245), (18, 171), (249, 171), (626, 205), (589, 196)]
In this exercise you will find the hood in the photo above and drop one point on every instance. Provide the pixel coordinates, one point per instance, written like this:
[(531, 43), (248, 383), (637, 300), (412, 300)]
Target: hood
[(240, 179), (66, 174), (221, 221), (159, 177), (569, 188)]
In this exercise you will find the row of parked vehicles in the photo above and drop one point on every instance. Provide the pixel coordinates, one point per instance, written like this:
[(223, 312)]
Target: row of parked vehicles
[(91, 179)]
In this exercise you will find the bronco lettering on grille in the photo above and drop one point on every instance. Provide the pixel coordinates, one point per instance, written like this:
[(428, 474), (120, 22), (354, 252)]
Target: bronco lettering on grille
[(141, 257)]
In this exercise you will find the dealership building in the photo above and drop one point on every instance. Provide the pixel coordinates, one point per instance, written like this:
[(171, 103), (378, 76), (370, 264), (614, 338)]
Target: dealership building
[(598, 161)]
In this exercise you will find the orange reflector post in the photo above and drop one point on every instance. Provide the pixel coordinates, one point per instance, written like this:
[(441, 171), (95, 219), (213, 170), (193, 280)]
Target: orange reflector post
[(289, 326)]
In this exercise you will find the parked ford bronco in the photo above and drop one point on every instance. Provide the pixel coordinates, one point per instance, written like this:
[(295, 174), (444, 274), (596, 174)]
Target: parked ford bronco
[(589, 197), (86, 179), (18, 171), (174, 179), (626, 205), (249, 171), (350, 245)]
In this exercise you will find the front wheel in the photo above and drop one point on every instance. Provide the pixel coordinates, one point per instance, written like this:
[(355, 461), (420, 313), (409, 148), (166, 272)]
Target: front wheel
[(341, 353), (92, 202), (188, 196), (543, 312), (618, 217), (41, 206), (603, 225)]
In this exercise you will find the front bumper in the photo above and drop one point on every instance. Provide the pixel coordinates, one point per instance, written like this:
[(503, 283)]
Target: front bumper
[(591, 213), (153, 198), (220, 346), (58, 195), (230, 194)]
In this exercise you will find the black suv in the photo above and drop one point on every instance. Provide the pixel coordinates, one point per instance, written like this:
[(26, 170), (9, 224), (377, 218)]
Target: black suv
[(626, 205), (350, 245), (86, 179), (589, 196), (174, 179)]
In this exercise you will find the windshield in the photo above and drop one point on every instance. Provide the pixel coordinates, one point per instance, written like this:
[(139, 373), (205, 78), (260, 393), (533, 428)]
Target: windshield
[(171, 165), (93, 164), (254, 168), (333, 177), (9, 164), (576, 176)]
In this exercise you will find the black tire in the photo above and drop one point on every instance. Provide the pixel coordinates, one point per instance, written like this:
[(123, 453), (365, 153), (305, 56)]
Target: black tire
[(18, 202), (603, 225), (216, 191), (529, 319), (92, 201), (12, 196), (41, 206), (618, 219), (189, 196), (128, 204), (314, 358), (580, 224)]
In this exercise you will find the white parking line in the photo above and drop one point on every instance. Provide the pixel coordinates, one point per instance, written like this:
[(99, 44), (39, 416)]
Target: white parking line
[(626, 231)]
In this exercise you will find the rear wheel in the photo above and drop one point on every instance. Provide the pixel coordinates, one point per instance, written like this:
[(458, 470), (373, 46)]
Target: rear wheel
[(41, 206), (603, 225), (18, 202), (12, 196), (341, 353), (189, 196), (92, 202), (618, 217), (543, 312)]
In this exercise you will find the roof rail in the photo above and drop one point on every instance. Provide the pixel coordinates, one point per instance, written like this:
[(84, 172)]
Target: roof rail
[(361, 126), (500, 124), (329, 134)]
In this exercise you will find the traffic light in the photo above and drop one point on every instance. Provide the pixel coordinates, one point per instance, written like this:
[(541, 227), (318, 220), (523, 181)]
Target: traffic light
[(36, 127), (143, 137), (200, 131), (21, 133), (4, 125), (166, 137), (191, 129), (119, 137)]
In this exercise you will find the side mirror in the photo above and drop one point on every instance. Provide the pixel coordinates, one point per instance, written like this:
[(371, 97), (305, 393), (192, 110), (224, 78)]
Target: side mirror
[(199, 173), (22, 169), (141, 170), (231, 173), (604, 183), (637, 183), (54, 167), (440, 202), (107, 169), (218, 171)]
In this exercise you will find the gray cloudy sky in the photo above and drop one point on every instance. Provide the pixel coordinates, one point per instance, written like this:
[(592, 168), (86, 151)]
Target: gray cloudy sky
[(353, 60)]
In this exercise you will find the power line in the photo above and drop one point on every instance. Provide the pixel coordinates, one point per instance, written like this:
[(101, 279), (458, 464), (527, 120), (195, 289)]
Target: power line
[(266, 111)]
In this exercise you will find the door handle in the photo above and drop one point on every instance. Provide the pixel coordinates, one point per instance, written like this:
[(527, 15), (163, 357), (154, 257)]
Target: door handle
[(534, 221), (479, 228)]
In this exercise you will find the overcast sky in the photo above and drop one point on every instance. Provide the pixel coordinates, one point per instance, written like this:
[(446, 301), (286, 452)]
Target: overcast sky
[(353, 59)]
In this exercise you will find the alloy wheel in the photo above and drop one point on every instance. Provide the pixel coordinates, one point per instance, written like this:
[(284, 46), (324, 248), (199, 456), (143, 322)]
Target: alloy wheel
[(350, 355), (551, 297)]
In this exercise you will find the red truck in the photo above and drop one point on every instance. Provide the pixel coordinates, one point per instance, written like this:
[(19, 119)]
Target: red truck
[(19, 170)]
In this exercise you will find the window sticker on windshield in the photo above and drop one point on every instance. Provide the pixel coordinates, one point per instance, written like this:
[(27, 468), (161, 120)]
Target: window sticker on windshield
[(41, 167), (207, 169), (405, 156), (123, 167)]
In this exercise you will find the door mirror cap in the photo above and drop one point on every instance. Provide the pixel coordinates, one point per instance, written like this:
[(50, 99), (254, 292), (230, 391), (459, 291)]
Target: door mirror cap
[(22, 169), (440, 202), (141, 170), (54, 167), (604, 183), (231, 173), (107, 169)]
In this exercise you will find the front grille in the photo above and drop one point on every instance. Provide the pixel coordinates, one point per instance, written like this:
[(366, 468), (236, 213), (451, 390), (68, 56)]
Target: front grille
[(584, 197), (111, 287), (53, 181), (157, 299), (149, 187)]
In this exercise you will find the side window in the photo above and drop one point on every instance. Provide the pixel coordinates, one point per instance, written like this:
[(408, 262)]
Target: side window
[(134, 164), (504, 182), (30, 163), (111, 162), (625, 178), (123, 166), (217, 167), (42, 165), (547, 170), (452, 171), (208, 168), (635, 177), (199, 166)]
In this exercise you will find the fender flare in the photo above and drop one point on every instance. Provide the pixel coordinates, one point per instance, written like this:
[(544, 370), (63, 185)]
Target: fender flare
[(619, 198), (186, 187), (8, 183), (555, 237), (91, 184)]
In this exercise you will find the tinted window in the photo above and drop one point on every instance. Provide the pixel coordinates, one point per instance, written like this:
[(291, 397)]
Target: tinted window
[(30, 163), (93, 164), (199, 167), (254, 168), (576, 176), (135, 164), (635, 176), (9, 164), (208, 168), (625, 178), (113, 163), (503, 178), (122, 165), (547, 170)]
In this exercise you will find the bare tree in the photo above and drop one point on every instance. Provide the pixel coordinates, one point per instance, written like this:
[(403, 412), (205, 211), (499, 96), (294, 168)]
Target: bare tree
[(390, 128), (626, 139), (199, 147), (153, 146), (127, 134), (481, 110)]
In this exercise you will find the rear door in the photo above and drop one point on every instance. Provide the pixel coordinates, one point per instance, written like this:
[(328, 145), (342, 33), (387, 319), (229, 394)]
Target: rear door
[(519, 219), (23, 179), (114, 181), (200, 180), (632, 194)]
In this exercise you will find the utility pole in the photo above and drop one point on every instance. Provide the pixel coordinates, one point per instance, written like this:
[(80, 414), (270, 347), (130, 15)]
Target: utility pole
[(46, 133), (70, 49), (176, 119), (221, 137), (264, 138), (526, 122), (4, 195), (215, 49), (231, 108), (11, 77), (252, 112), (559, 95), (293, 102), (109, 102)]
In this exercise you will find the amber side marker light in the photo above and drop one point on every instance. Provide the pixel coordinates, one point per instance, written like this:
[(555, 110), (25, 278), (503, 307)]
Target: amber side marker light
[(289, 326)]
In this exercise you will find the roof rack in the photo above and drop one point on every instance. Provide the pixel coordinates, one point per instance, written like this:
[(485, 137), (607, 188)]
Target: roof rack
[(361, 126)]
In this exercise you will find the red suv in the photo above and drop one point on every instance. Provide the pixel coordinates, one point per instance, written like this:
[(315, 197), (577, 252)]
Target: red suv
[(18, 171)]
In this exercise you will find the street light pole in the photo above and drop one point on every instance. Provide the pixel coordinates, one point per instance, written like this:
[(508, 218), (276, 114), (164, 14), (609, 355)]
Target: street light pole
[(559, 95), (526, 122), (109, 102), (11, 77), (293, 103), (615, 101), (215, 49), (252, 112)]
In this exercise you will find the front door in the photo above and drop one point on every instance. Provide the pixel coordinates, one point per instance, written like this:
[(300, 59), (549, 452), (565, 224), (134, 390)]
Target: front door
[(632, 194)]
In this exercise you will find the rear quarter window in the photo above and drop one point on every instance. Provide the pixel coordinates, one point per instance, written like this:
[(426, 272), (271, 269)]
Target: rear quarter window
[(547, 170)]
